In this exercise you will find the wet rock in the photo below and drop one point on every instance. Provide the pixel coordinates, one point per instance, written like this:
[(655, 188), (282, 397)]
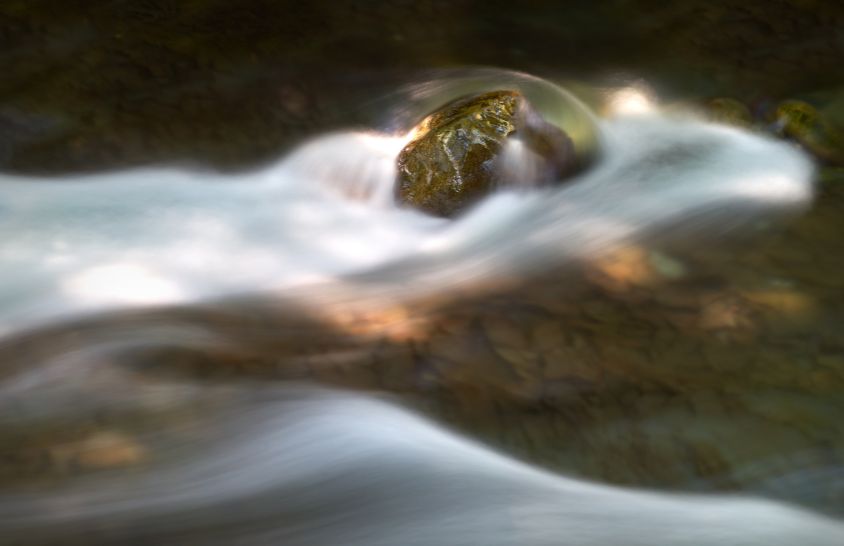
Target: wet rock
[(396, 369), (110, 449), (506, 333), (106, 449), (729, 112), (725, 312), (622, 270), (783, 304), (666, 266), (801, 122), (469, 147), (548, 335)]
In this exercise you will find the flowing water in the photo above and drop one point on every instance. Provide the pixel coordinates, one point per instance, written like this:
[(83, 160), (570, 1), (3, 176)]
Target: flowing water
[(163, 328)]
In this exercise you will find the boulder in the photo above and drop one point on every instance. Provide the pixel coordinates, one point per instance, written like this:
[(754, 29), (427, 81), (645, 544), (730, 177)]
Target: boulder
[(475, 144)]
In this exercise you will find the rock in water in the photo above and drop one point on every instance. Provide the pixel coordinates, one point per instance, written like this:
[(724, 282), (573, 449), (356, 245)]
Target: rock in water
[(729, 112), (457, 155), (801, 122)]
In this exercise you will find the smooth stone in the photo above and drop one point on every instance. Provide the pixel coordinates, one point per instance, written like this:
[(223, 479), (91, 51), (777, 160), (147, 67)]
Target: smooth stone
[(473, 145)]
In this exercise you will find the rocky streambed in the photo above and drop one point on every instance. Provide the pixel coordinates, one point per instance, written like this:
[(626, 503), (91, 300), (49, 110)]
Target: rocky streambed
[(710, 368), (647, 366)]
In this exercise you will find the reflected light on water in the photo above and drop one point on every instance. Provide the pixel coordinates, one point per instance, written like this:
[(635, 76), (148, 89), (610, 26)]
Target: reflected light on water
[(773, 189), (121, 283), (631, 101)]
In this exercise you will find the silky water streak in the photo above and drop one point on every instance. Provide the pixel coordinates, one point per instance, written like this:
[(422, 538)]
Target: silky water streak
[(263, 464), (296, 466), (159, 236)]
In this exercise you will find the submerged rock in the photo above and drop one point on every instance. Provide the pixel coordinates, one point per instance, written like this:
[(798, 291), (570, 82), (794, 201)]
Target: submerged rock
[(474, 144)]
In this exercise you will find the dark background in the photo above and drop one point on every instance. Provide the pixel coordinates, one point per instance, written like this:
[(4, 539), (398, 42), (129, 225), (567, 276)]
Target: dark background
[(86, 85)]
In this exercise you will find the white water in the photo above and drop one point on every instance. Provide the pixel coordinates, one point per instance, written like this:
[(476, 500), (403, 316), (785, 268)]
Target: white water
[(298, 467), (292, 466), (83, 244)]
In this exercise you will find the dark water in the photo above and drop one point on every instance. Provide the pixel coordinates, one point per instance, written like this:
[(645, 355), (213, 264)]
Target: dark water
[(672, 325)]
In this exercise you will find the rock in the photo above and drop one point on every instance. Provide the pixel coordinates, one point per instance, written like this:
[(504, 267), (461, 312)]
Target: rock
[(785, 304), (104, 449), (507, 333), (729, 112), (622, 269), (456, 156), (667, 266), (725, 312), (801, 122)]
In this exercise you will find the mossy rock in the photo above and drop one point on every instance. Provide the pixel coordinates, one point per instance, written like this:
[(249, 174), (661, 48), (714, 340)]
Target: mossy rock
[(801, 122), (729, 111), (455, 156)]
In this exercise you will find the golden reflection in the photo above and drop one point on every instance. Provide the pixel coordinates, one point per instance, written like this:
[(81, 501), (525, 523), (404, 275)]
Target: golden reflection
[(396, 323), (101, 450), (631, 101)]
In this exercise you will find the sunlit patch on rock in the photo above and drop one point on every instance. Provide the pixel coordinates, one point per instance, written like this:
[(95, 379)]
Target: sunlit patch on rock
[(456, 155)]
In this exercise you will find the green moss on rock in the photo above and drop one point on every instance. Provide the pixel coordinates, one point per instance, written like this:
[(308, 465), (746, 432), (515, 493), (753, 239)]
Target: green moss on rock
[(729, 111), (801, 122), (452, 160)]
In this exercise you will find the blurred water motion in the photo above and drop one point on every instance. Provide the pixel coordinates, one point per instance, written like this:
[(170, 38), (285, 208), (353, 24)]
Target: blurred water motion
[(159, 236), (298, 466), (162, 330)]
